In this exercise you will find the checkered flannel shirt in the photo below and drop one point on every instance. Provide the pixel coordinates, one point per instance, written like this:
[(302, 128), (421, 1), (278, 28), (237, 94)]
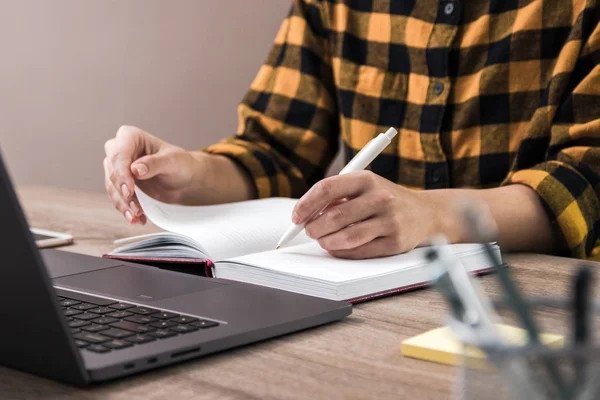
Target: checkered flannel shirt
[(483, 93)]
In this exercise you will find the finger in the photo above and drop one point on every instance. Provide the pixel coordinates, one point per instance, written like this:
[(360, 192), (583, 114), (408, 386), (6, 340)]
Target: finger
[(354, 235), (380, 247), (339, 216), (135, 207), (118, 202), (120, 152), (107, 182), (111, 190), (133, 213), (149, 166), (329, 190)]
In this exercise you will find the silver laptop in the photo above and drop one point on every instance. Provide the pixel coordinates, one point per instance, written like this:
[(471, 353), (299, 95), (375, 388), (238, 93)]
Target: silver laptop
[(82, 319)]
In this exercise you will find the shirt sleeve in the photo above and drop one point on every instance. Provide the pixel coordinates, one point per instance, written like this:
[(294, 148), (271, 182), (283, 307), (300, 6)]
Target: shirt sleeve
[(568, 179), (288, 123)]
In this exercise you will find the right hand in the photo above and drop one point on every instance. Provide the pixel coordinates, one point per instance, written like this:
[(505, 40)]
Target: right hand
[(163, 171)]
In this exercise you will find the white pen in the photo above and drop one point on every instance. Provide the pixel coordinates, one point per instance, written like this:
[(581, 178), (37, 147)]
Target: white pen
[(360, 161)]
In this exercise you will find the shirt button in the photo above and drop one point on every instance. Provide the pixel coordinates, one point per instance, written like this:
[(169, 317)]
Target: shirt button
[(438, 88), (449, 9), (437, 176)]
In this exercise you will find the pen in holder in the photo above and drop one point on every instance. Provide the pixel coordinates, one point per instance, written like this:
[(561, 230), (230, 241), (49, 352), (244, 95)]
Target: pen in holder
[(531, 369), (578, 364)]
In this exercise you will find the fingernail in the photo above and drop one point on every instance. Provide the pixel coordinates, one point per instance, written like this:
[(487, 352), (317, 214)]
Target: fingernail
[(128, 216), (142, 169), (125, 190), (134, 208), (295, 217)]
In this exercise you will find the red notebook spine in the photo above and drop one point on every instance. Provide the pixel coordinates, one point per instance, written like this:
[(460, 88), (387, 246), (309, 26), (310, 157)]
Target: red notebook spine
[(209, 268), (157, 261), (409, 288)]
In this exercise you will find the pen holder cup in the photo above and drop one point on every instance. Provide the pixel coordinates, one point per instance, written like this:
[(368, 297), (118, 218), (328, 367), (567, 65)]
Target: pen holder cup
[(556, 369)]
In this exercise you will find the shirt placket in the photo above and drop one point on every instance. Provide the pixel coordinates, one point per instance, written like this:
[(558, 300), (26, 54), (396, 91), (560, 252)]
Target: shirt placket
[(437, 173)]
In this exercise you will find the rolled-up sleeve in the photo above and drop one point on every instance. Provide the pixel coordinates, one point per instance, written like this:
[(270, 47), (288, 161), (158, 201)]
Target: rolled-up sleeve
[(569, 194), (568, 180)]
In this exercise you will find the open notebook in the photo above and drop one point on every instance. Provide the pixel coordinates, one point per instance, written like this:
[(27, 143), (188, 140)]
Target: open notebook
[(237, 241)]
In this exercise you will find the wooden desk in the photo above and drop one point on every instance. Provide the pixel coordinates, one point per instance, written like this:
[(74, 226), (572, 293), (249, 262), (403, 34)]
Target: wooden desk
[(356, 358)]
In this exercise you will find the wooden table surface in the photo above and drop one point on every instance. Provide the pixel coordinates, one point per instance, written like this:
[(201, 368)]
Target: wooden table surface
[(358, 357)]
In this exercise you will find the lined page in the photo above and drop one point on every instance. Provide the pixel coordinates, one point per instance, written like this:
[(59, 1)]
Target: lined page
[(226, 230)]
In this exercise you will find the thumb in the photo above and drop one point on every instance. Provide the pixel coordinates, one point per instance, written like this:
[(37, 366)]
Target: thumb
[(148, 167)]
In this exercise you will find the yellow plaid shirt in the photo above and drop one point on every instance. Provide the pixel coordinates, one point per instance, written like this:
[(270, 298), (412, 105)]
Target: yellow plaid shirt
[(483, 93)]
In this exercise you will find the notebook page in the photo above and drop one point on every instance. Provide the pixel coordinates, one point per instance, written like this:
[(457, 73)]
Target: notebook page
[(311, 262), (226, 230)]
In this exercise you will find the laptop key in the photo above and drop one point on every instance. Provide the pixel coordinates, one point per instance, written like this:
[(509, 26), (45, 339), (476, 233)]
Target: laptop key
[(117, 344), (121, 306), (70, 313), (161, 334), (140, 339), (119, 314), (204, 323), (78, 324), (131, 326), (90, 337), (94, 328), (183, 319), (96, 348), (117, 333), (68, 303), (163, 324), (165, 315), (101, 310), (104, 320), (140, 319), (183, 328), (143, 310), (81, 343), (86, 316), (83, 306)]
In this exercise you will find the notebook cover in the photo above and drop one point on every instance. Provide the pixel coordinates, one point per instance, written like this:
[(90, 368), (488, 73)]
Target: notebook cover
[(172, 263), (409, 288)]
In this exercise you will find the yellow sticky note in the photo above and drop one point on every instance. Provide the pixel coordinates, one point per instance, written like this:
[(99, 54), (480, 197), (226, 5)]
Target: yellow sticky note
[(441, 346)]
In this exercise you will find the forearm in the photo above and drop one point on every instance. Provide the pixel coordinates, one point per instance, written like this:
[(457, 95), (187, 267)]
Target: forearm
[(521, 221), (218, 180)]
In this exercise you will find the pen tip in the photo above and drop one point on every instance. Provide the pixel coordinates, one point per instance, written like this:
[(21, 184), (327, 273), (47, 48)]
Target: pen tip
[(277, 248)]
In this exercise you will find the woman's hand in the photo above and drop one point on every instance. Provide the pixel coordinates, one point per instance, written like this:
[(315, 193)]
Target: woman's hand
[(369, 216), (168, 173), (160, 169)]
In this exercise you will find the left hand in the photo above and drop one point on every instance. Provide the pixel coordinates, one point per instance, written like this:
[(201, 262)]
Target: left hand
[(378, 218)]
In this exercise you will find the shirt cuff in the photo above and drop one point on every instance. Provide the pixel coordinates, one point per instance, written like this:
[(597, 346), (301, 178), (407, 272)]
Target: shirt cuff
[(268, 177), (569, 199)]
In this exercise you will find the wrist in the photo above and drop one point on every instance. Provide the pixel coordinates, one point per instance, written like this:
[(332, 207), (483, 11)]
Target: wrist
[(220, 179), (446, 218), (191, 193)]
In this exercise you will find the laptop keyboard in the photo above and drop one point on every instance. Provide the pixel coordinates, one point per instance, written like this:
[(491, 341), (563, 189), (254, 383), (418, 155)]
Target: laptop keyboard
[(102, 325)]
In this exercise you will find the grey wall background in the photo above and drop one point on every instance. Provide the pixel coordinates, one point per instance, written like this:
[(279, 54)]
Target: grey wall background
[(73, 71)]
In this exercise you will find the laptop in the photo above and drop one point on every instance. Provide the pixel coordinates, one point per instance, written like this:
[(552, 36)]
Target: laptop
[(82, 319)]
